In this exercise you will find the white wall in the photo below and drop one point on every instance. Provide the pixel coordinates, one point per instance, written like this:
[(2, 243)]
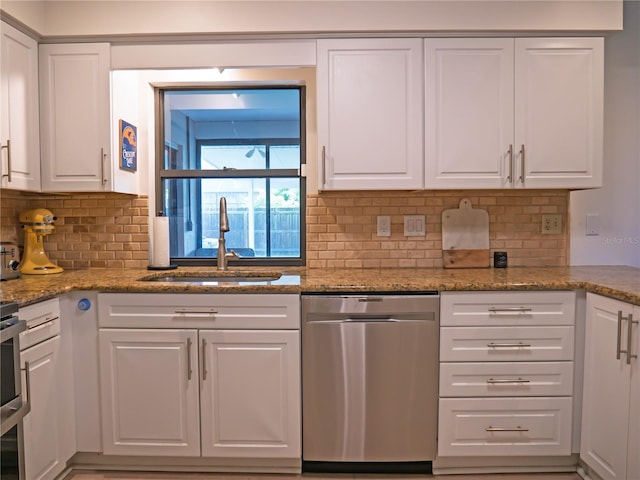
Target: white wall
[(618, 202), (105, 17), (125, 106)]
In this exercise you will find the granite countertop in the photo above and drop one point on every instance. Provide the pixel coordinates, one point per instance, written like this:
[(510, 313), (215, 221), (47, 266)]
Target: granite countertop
[(618, 282)]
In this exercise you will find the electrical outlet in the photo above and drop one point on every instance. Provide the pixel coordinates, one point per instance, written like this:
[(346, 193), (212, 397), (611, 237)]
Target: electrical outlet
[(384, 226), (551, 224)]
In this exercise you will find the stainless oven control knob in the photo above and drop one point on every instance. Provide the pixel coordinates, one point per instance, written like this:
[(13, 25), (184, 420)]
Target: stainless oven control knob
[(13, 264)]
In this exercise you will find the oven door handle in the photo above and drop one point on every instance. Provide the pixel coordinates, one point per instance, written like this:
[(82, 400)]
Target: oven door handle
[(12, 331), (19, 409)]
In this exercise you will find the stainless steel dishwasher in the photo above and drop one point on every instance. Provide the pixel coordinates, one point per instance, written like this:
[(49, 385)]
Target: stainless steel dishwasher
[(370, 382)]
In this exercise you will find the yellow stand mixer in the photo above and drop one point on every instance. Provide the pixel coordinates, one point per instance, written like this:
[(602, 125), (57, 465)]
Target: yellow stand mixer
[(37, 224)]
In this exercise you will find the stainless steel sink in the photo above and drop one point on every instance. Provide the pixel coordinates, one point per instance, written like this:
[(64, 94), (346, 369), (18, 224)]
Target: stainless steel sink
[(209, 279)]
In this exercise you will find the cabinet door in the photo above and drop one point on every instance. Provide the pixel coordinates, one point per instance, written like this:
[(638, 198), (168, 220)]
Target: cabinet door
[(559, 112), (633, 460), (149, 384), (250, 396), (468, 112), (605, 410), (20, 131), (41, 425), (370, 114), (75, 113)]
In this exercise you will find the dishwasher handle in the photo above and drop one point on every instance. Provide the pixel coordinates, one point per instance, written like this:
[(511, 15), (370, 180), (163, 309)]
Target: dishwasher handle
[(370, 317)]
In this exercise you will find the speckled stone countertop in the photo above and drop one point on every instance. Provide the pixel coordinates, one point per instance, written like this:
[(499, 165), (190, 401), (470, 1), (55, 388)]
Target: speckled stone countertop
[(618, 282)]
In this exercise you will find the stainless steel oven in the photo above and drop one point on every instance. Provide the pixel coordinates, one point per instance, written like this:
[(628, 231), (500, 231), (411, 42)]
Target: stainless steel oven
[(13, 407)]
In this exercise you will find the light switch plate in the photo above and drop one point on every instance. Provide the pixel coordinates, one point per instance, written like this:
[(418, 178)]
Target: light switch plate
[(592, 224), (414, 226)]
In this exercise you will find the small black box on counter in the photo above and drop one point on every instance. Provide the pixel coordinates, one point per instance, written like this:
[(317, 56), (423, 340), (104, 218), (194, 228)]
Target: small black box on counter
[(500, 259)]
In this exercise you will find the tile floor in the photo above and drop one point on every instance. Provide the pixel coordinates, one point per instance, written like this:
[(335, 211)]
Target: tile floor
[(210, 476)]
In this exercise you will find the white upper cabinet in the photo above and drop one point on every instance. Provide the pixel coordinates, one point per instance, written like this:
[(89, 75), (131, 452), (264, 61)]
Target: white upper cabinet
[(20, 134), (524, 113), (75, 117), (559, 112), (468, 112), (370, 114)]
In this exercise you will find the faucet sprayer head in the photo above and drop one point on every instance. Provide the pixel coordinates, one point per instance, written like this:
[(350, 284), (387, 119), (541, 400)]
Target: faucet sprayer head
[(224, 220)]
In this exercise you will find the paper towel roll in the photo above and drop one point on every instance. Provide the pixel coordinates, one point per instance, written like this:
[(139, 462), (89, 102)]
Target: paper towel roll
[(160, 256)]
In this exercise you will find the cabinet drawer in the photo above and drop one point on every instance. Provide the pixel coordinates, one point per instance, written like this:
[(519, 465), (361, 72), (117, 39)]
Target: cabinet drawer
[(531, 379), (507, 344), (219, 311), (507, 308), (43, 322), (504, 426)]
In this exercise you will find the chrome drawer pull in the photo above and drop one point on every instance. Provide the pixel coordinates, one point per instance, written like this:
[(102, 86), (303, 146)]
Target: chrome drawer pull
[(185, 311), (501, 429), (506, 380), (520, 310), (507, 345)]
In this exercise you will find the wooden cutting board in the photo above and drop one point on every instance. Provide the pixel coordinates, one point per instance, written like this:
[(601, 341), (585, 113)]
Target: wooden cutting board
[(465, 237)]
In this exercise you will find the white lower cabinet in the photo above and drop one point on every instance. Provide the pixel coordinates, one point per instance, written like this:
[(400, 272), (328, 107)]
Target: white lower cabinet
[(249, 397), (201, 392), (48, 427), (149, 392), (41, 425), (506, 374), (610, 441)]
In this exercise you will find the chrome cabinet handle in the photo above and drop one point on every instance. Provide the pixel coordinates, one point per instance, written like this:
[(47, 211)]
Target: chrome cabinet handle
[(501, 429), (204, 359), (42, 326), (521, 310), (510, 177), (104, 159), (189, 372), (518, 380), (522, 164), (619, 350), (8, 147), (630, 322), (324, 167), (507, 345)]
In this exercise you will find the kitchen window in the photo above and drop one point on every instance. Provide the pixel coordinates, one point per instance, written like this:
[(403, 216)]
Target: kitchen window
[(247, 145)]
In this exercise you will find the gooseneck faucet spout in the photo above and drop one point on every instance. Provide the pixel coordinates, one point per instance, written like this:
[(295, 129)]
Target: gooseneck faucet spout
[(223, 255)]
